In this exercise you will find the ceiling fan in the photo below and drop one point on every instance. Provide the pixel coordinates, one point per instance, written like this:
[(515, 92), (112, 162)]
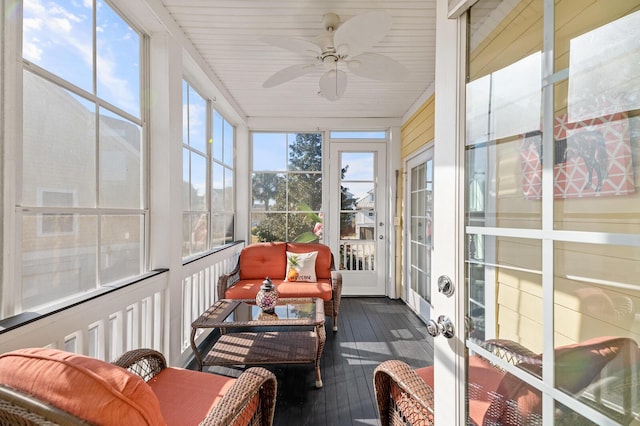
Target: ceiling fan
[(340, 44)]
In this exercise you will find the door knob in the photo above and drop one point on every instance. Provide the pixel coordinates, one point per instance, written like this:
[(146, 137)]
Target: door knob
[(443, 326), (445, 285)]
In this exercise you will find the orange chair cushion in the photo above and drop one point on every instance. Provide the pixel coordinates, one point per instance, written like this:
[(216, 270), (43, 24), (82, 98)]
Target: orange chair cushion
[(261, 260), (187, 396), (247, 289), (94, 390), (323, 261)]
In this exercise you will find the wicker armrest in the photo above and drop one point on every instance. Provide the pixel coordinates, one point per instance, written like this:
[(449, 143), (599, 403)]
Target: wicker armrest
[(235, 400), (18, 408), (146, 363), (227, 280), (512, 352), (416, 396)]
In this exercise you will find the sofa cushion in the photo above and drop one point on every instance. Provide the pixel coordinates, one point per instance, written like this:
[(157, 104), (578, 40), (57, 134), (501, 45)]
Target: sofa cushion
[(187, 396), (263, 260), (301, 267), (323, 261), (94, 390), (247, 289)]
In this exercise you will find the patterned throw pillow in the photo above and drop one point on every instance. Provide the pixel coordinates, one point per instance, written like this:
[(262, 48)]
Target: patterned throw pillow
[(301, 266)]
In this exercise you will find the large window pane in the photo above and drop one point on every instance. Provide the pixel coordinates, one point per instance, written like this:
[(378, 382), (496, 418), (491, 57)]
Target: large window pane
[(117, 60), (305, 151), (505, 290), (198, 182), (196, 118), (269, 151), (596, 300), (58, 261), (120, 247), (228, 189), (265, 188), (286, 188), (305, 191), (59, 143), (120, 162), (67, 28), (268, 226)]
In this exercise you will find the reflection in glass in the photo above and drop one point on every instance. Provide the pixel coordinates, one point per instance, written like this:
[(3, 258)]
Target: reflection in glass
[(506, 102), (603, 77), (195, 230), (222, 228)]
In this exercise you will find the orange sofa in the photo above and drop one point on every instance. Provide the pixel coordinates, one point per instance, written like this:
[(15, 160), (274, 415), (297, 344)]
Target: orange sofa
[(50, 386), (261, 260)]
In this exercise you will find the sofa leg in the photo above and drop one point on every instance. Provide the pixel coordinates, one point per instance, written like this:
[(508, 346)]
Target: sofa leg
[(335, 323)]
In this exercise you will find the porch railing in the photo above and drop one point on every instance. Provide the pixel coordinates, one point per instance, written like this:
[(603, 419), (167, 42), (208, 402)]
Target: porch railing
[(134, 316)]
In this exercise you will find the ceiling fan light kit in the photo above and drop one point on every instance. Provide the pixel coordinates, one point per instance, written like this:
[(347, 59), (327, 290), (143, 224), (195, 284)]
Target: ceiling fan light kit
[(347, 43)]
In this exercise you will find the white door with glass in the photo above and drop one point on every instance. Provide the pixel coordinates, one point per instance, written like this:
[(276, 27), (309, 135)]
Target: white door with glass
[(549, 168), (358, 236), (418, 228)]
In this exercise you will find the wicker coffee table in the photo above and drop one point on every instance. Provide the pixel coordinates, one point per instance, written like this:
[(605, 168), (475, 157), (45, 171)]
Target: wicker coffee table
[(295, 334)]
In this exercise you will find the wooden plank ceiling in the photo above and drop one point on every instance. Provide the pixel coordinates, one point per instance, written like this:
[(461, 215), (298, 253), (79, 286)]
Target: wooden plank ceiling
[(227, 33)]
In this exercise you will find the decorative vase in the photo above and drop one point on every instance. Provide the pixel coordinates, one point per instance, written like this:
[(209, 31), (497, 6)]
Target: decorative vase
[(267, 297)]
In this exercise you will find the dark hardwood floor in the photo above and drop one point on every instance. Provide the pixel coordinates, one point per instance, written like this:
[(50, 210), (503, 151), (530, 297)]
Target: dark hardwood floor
[(370, 330)]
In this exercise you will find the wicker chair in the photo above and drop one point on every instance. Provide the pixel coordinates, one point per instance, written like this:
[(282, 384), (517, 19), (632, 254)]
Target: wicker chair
[(607, 371), (247, 400)]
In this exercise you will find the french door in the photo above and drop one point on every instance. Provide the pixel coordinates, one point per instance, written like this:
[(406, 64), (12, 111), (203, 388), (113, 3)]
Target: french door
[(419, 224), (545, 191), (358, 215)]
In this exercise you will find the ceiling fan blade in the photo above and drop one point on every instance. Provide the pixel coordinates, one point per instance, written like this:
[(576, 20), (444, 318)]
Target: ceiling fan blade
[(361, 32), (333, 83), (295, 45), (377, 67), (287, 74)]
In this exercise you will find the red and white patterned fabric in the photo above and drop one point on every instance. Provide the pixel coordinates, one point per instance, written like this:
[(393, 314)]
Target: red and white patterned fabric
[(601, 145)]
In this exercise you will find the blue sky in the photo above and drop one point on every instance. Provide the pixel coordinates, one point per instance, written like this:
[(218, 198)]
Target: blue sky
[(58, 36)]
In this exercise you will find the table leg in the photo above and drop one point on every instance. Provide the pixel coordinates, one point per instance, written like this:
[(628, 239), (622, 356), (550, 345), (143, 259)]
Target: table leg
[(322, 337), (195, 348)]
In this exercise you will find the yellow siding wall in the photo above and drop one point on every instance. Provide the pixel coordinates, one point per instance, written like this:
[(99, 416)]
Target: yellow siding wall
[(419, 129)]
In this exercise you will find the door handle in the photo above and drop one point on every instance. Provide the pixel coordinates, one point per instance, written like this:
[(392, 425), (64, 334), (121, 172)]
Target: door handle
[(443, 326)]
